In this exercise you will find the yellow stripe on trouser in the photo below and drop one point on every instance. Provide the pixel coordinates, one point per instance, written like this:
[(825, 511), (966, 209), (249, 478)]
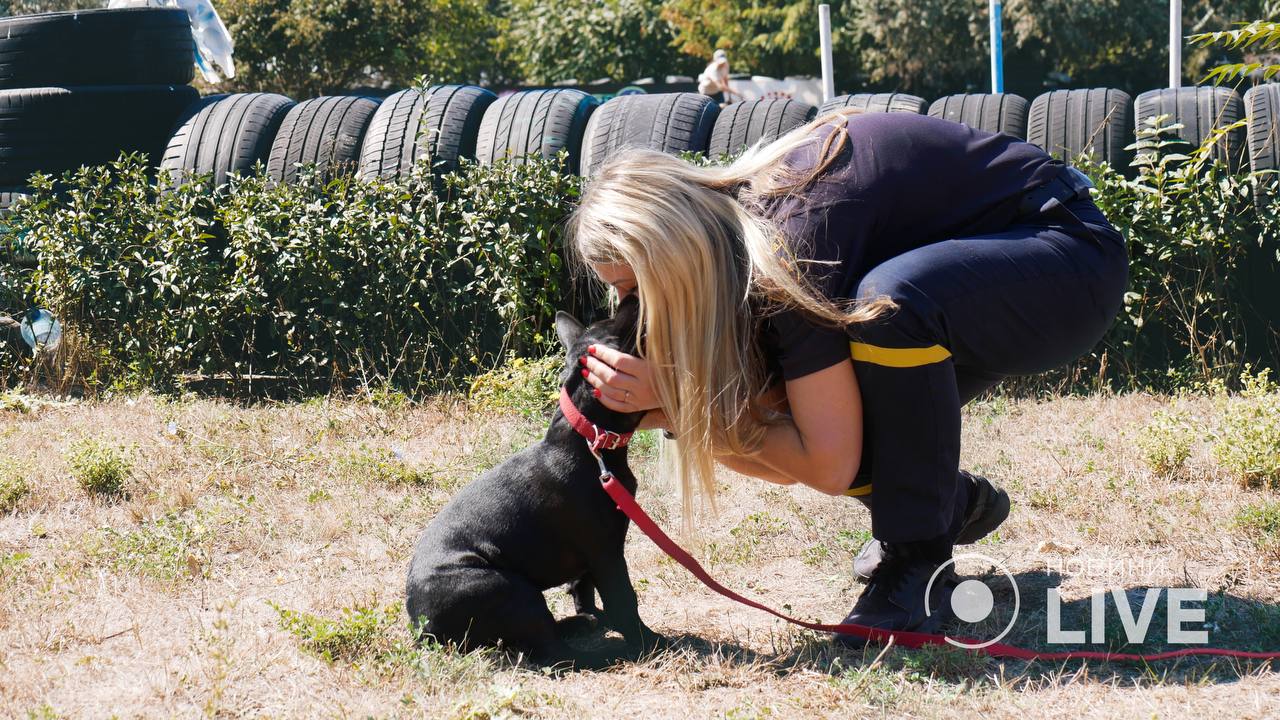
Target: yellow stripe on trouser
[(894, 358)]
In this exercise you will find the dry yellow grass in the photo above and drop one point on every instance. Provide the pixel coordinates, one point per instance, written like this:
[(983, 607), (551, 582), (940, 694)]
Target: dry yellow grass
[(162, 602)]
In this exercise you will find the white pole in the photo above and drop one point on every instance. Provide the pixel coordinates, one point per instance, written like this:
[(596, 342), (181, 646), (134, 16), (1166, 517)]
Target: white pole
[(1175, 43), (997, 48), (824, 32)]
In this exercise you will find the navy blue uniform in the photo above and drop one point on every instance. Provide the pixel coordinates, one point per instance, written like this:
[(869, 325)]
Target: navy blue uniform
[(929, 212)]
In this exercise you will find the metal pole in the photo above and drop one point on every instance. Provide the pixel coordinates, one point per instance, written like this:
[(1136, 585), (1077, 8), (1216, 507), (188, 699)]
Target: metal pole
[(824, 33), (1175, 43), (997, 48)]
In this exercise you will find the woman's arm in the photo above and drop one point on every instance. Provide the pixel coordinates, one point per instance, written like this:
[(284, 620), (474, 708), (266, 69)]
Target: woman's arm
[(822, 445)]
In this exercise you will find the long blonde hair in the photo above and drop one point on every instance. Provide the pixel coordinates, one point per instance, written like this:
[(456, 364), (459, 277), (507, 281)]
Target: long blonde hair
[(708, 264)]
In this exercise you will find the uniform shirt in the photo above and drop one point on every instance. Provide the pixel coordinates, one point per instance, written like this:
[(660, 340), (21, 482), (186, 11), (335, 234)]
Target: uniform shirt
[(903, 181)]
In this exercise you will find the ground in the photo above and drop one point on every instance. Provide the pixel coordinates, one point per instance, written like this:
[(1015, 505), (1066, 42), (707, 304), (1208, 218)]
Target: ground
[(168, 557)]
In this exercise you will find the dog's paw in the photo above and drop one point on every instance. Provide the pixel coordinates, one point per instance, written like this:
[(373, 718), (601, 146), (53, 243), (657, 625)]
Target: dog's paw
[(577, 625), (648, 642)]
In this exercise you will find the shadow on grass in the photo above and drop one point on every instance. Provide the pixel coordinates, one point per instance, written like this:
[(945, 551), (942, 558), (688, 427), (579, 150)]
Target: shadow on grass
[(1231, 622)]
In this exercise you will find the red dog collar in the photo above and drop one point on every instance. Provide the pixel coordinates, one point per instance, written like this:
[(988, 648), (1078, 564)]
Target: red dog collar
[(597, 438)]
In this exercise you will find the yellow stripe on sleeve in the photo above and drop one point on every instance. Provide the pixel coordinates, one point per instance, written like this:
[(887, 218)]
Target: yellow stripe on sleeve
[(898, 357)]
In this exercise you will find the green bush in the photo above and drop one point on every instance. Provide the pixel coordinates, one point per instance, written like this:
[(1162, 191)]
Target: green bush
[(13, 486), (1193, 230), (409, 283), (1165, 442), (1247, 443), (529, 387), (98, 468)]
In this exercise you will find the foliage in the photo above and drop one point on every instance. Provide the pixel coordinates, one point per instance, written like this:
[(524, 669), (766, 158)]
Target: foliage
[(1259, 35), (1262, 521), (1191, 226), (777, 39), (99, 468), (409, 282), (1165, 442), (1247, 444), (384, 467), (526, 386), (585, 40), (305, 48), (166, 548), (362, 632), (13, 486)]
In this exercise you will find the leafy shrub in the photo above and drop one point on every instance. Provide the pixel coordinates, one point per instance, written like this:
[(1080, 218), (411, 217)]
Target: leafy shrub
[(1165, 442), (1247, 444), (411, 283), (13, 486), (1192, 228), (165, 548), (528, 387), (362, 632), (1261, 522), (98, 468), (383, 467)]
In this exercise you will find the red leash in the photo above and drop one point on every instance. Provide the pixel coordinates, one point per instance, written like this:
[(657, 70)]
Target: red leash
[(598, 438), (628, 505)]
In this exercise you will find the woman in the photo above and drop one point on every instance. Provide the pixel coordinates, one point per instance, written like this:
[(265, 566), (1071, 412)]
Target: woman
[(819, 311)]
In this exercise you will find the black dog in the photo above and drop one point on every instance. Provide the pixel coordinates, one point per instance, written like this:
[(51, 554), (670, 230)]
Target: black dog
[(538, 520)]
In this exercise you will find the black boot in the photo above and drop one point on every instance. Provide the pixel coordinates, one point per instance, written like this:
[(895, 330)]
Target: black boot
[(986, 509), (894, 598)]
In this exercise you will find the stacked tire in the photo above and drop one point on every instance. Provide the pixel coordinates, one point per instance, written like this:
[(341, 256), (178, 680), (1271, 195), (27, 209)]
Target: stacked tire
[(1201, 111), (79, 88), (1074, 123), (671, 123)]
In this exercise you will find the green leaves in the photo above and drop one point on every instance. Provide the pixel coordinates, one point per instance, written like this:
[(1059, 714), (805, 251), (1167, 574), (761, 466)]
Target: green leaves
[(319, 282)]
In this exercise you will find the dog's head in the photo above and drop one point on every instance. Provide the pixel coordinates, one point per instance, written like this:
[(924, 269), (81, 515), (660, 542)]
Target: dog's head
[(618, 332)]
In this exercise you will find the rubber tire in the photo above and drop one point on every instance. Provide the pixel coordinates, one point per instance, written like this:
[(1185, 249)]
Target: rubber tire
[(536, 122), (441, 123), (1200, 110), (876, 102), (325, 132), (130, 46), (1262, 105), (994, 113), (225, 134), (669, 122), (9, 196), (744, 124), (1068, 123), (55, 129)]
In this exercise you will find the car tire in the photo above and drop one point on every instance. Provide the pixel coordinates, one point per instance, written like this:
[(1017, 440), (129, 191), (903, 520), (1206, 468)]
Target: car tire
[(743, 124), (225, 134), (129, 46), (536, 122), (994, 113), (875, 102), (441, 123), (54, 129), (325, 132), (1071, 123), (669, 122), (1199, 110)]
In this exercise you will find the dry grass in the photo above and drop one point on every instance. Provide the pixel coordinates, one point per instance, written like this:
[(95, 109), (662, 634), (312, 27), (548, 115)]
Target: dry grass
[(167, 599)]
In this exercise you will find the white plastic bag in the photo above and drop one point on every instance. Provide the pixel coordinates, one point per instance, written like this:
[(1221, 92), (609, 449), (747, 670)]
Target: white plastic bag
[(214, 47)]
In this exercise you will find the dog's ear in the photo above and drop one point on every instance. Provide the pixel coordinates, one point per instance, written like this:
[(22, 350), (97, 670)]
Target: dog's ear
[(568, 329), (627, 316)]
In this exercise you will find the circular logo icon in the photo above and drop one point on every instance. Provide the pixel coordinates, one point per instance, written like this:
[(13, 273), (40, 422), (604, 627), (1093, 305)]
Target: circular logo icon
[(973, 601)]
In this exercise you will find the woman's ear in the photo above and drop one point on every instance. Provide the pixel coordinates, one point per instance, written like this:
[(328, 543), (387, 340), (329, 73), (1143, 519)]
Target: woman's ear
[(568, 329)]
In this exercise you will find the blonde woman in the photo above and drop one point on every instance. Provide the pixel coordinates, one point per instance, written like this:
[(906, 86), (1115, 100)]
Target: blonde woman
[(817, 313)]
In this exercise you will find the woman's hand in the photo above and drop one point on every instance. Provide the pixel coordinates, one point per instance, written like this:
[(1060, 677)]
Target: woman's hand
[(622, 381)]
